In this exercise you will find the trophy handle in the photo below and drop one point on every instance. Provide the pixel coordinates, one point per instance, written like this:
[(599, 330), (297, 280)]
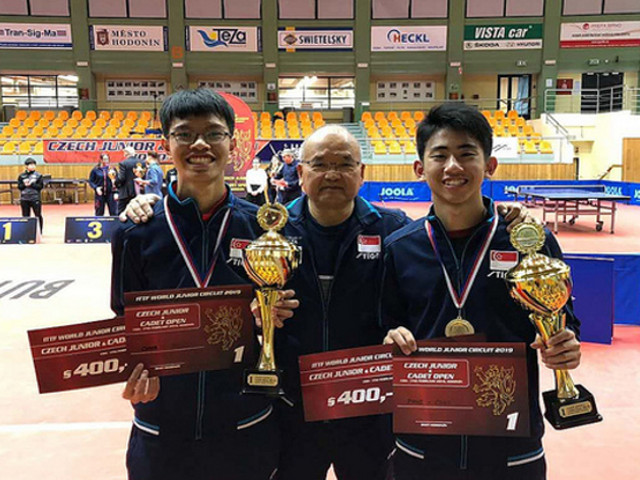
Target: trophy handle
[(547, 326), (267, 298)]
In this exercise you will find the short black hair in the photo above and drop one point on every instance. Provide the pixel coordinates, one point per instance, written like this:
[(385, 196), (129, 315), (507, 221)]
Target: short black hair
[(29, 161), (459, 117), (198, 102)]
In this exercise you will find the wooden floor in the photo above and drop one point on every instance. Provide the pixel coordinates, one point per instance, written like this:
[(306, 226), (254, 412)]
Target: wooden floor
[(82, 435)]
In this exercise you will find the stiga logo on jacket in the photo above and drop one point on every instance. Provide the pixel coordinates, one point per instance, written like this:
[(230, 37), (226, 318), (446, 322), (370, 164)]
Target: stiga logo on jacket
[(235, 250), (369, 247)]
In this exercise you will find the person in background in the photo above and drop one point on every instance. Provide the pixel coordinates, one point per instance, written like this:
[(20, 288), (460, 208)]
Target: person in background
[(103, 181), (287, 180), (153, 177), (256, 182), (125, 181), (30, 184), (272, 170), (170, 176)]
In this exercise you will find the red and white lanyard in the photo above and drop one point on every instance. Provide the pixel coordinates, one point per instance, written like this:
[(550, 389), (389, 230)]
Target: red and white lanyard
[(184, 251), (460, 299)]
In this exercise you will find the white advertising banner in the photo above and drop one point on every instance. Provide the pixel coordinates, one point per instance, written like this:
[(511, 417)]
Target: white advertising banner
[(223, 39), (600, 34), (505, 148), (409, 38), (35, 35), (291, 39), (129, 38)]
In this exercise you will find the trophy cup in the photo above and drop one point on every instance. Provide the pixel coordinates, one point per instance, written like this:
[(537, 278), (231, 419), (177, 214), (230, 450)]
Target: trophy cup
[(269, 261), (543, 285)]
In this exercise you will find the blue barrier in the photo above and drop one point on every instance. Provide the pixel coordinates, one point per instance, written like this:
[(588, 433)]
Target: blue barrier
[(496, 189)]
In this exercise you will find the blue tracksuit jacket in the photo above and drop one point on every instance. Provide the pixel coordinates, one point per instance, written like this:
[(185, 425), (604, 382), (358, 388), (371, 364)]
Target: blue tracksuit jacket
[(145, 257), (416, 297)]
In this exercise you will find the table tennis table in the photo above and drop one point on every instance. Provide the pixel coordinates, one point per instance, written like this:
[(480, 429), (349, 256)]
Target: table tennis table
[(570, 201)]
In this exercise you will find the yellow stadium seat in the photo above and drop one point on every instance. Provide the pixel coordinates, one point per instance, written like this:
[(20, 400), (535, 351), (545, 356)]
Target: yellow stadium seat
[(86, 122), (379, 148), (418, 116), (77, 114), (66, 132), (101, 122), (37, 130), (72, 122), (394, 148), (316, 116), (279, 123), (58, 123), (82, 130), (409, 148), (8, 130), (265, 116), (527, 130), (514, 131), (306, 130), (95, 131), (15, 123), (35, 115), (530, 147), (22, 132), (370, 122), (39, 148), (409, 122), (43, 122), (25, 147), (91, 115), (545, 147), (9, 147), (63, 115), (21, 115), (365, 116), (383, 122), (52, 132), (520, 122), (29, 122), (374, 133)]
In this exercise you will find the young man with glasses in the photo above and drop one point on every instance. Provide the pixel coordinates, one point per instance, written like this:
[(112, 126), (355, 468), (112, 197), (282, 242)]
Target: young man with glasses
[(197, 425)]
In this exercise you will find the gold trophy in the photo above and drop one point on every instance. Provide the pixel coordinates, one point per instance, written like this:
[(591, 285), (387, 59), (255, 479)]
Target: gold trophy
[(543, 285), (270, 261)]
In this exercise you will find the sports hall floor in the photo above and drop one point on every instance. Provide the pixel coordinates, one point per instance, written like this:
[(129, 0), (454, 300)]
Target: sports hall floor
[(82, 435)]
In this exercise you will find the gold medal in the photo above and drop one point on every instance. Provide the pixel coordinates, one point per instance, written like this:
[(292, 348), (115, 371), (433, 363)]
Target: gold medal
[(458, 326)]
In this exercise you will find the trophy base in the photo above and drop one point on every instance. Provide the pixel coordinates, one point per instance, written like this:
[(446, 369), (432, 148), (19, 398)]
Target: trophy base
[(263, 382), (571, 413)]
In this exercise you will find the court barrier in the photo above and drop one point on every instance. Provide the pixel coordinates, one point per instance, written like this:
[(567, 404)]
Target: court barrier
[(496, 189)]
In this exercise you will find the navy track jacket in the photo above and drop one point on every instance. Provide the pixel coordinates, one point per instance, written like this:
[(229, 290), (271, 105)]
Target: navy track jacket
[(145, 257), (416, 297), (349, 317)]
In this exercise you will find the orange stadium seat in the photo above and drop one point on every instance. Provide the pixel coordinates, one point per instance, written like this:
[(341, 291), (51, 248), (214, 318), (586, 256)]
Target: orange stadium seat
[(29, 122), (117, 115), (63, 115), (21, 115), (91, 115), (393, 116), (365, 116), (35, 115), (418, 116), (379, 116), (487, 114), (405, 115), (499, 115), (49, 115), (104, 115), (14, 122), (77, 114), (512, 114)]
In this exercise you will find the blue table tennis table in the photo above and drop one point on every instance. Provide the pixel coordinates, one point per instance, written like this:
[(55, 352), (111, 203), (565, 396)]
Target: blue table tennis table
[(570, 201)]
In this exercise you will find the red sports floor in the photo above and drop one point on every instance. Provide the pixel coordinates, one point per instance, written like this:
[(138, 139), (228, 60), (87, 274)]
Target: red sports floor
[(82, 435)]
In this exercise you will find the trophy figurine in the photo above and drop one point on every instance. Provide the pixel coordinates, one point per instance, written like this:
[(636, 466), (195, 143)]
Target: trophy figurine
[(543, 285), (270, 261)]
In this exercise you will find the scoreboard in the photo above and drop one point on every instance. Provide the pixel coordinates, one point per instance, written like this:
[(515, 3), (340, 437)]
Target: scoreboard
[(90, 229), (20, 230)]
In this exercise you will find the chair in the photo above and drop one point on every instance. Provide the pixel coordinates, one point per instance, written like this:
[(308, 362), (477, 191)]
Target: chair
[(487, 114), (52, 132), (520, 122), (25, 147), (530, 147), (72, 122), (38, 131), (131, 115), (291, 116), (77, 115), (392, 116), (95, 132), (379, 116), (514, 131), (29, 122), (15, 122), (418, 116), (7, 130), (409, 148), (545, 147), (49, 115), (9, 147), (22, 132), (365, 116), (512, 115), (117, 115), (39, 148), (146, 115), (86, 122), (21, 115), (66, 131), (394, 148), (35, 115), (527, 130), (91, 115), (405, 115), (265, 116), (63, 115), (379, 148), (304, 116), (499, 116)]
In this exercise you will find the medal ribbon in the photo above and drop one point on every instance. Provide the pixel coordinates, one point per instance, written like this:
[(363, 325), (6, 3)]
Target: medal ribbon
[(460, 300), (184, 251)]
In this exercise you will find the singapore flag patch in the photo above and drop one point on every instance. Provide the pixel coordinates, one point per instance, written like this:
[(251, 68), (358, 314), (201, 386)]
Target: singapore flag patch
[(503, 259)]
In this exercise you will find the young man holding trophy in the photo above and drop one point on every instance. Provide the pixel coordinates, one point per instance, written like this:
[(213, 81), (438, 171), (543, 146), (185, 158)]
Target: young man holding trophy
[(194, 425), (445, 276)]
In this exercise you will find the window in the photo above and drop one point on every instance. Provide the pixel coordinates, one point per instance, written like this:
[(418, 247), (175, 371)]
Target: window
[(247, 90), (316, 9), (39, 91), (50, 8), (128, 8), (316, 92), (136, 90)]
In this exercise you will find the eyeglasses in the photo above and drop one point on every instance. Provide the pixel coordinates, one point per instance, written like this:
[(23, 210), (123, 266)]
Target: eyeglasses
[(322, 167), (188, 138)]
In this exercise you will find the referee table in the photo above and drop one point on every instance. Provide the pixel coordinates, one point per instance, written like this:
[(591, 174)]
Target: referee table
[(570, 201)]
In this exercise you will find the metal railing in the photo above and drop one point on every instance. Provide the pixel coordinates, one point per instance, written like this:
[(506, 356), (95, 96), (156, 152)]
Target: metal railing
[(592, 100)]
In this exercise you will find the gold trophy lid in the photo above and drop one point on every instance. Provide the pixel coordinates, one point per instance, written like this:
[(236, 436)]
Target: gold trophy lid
[(527, 237), (272, 216)]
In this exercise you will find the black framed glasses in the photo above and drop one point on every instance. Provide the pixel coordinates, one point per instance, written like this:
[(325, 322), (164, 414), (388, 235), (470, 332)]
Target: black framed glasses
[(187, 137)]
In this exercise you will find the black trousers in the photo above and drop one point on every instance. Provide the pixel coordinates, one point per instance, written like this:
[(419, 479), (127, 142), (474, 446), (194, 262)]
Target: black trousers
[(101, 201), (36, 206)]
